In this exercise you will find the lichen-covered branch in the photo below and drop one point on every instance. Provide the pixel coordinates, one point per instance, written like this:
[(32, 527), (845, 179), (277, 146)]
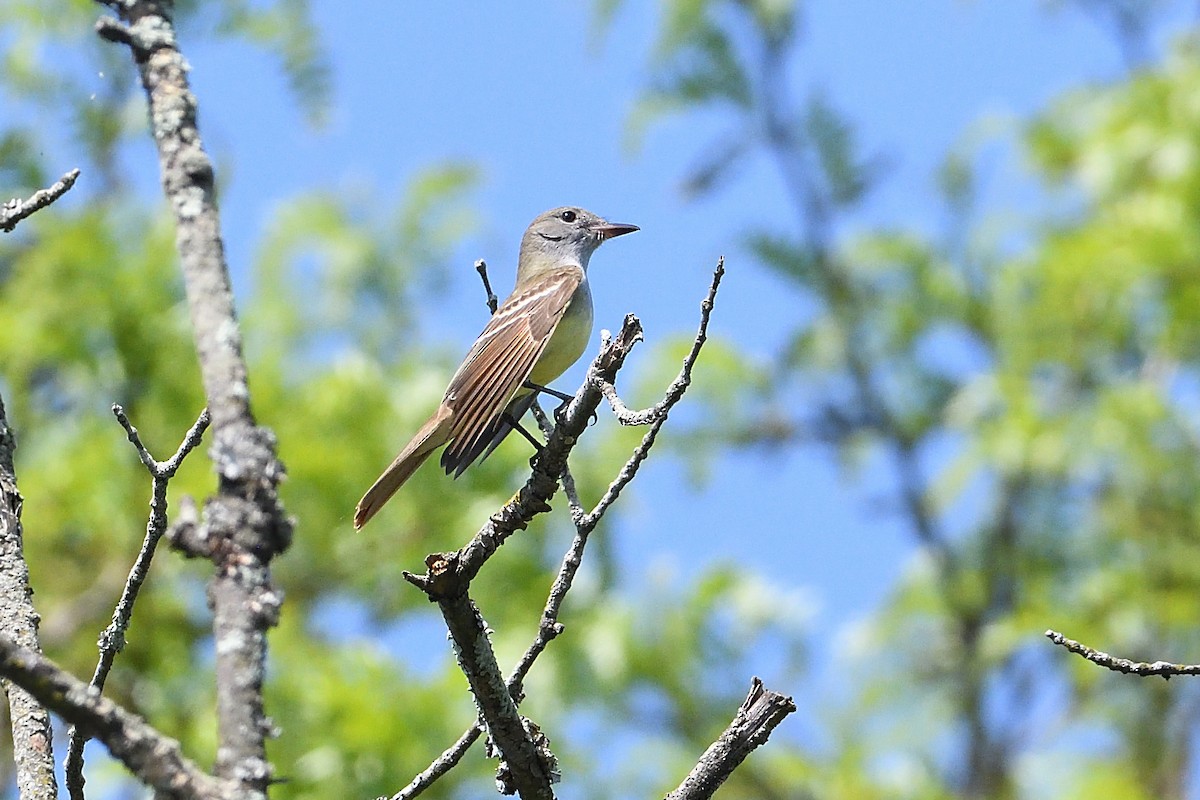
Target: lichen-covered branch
[(112, 638), (17, 209), (154, 758), (1162, 669), (33, 752), (448, 575), (527, 765), (760, 712), (244, 526)]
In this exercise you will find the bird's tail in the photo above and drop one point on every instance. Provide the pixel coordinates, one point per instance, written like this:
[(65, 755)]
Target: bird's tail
[(433, 434)]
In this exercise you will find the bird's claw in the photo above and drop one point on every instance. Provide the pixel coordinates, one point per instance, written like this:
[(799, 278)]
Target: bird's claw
[(560, 413)]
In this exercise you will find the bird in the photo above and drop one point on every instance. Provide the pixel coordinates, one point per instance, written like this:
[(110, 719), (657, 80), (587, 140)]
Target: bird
[(540, 330)]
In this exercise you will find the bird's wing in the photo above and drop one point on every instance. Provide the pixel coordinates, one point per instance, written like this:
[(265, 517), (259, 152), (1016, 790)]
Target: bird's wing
[(505, 353)]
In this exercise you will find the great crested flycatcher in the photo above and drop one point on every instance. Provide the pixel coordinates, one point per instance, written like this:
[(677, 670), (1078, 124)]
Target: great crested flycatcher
[(542, 328)]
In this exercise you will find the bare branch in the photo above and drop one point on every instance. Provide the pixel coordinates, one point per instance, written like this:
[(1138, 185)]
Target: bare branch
[(441, 765), (761, 711), (567, 480), (527, 765), (492, 301), (1164, 669), (112, 638), (659, 411), (244, 523), (17, 209), (154, 758), (33, 751), (164, 469)]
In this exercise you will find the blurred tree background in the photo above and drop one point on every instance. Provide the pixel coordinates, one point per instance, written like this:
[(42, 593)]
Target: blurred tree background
[(1027, 378)]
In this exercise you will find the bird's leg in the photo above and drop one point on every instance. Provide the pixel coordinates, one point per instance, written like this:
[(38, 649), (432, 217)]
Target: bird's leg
[(511, 420), (565, 398)]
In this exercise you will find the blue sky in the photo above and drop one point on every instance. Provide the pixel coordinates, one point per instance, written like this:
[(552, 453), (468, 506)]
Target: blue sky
[(530, 93)]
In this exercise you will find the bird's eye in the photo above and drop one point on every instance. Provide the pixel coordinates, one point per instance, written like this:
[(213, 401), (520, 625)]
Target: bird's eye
[(567, 216)]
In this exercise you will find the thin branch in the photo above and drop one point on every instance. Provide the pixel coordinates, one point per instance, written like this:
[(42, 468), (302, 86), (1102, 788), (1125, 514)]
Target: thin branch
[(17, 209), (493, 302), (112, 638), (659, 411), (155, 759), (33, 750), (164, 470), (447, 761), (244, 526), (760, 712), (1164, 669), (567, 480)]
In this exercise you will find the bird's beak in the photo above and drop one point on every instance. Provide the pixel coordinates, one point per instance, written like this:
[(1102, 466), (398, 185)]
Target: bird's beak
[(609, 230)]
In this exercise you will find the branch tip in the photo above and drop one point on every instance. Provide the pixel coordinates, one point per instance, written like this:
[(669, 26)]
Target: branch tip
[(16, 209), (1163, 669)]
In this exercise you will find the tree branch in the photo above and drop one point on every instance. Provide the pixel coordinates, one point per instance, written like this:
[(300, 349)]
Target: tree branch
[(16, 209), (33, 751), (154, 758), (244, 525), (656, 414), (448, 575), (527, 765), (760, 712), (112, 638), (1164, 669)]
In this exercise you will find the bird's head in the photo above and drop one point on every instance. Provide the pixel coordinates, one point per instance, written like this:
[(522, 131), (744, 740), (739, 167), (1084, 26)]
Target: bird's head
[(567, 235)]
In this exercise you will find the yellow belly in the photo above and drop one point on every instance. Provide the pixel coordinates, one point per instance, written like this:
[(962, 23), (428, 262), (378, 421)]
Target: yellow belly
[(569, 340)]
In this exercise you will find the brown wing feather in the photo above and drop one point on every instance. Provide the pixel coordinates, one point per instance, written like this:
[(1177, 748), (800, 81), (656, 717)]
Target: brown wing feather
[(505, 353)]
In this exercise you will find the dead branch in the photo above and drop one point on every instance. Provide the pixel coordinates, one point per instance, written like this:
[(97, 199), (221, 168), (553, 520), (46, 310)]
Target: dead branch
[(17, 209), (1163, 669)]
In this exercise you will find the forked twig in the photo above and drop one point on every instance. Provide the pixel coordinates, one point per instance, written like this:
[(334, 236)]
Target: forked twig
[(112, 638)]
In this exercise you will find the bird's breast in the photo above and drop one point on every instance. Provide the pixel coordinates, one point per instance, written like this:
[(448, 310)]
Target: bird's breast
[(569, 340)]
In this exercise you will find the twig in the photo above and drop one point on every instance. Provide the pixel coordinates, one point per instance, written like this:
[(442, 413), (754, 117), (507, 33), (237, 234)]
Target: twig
[(1165, 669), (567, 480), (112, 638), (441, 765), (244, 525), (33, 750), (17, 209), (492, 301), (155, 759), (659, 411), (549, 627), (761, 711)]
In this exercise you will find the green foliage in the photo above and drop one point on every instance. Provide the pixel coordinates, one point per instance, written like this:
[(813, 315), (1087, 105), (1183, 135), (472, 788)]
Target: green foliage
[(1035, 403)]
